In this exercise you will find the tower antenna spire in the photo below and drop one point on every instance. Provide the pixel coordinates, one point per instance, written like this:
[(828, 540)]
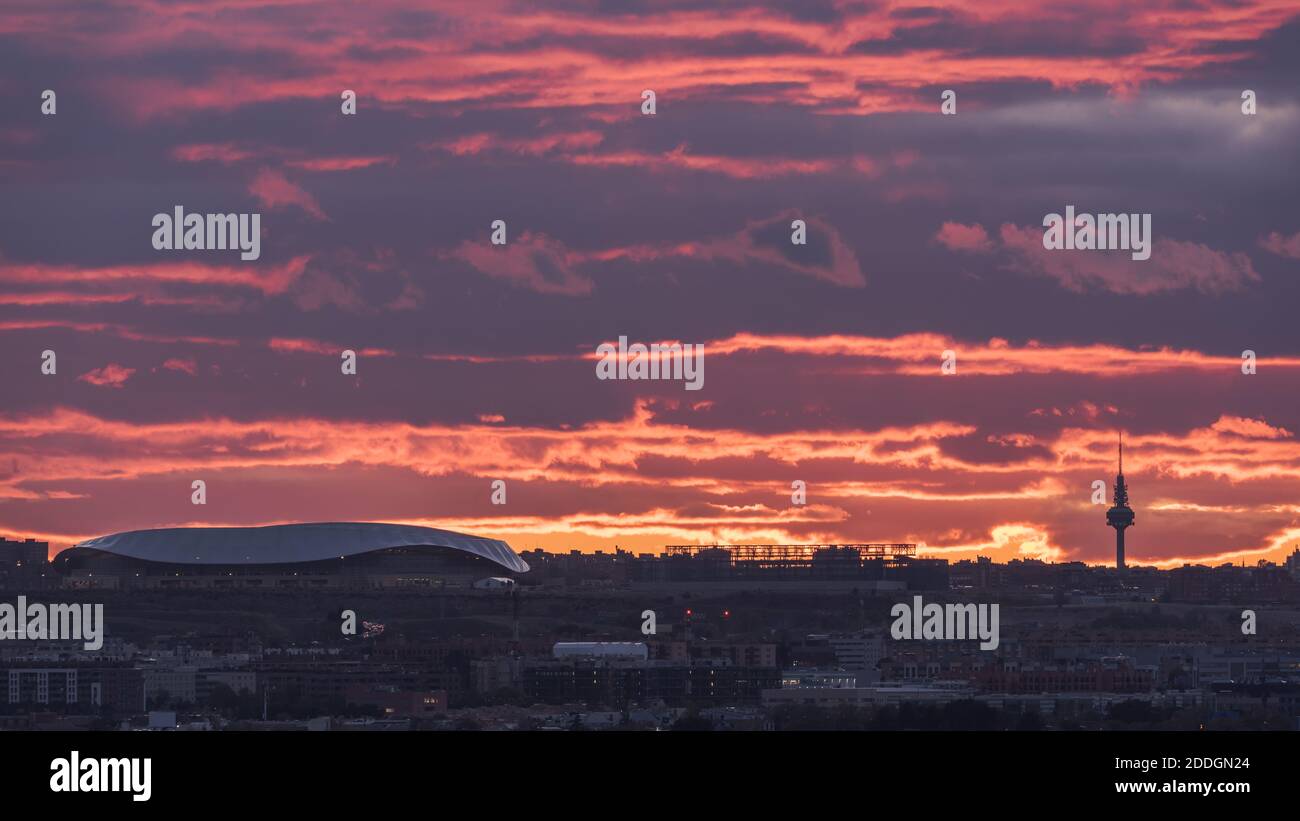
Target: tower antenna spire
[(1121, 451)]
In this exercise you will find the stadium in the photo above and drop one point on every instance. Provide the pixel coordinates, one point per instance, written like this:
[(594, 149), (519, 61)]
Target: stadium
[(320, 555)]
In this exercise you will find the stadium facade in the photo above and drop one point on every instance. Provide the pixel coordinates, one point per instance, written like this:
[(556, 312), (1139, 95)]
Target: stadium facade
[(296, 556)]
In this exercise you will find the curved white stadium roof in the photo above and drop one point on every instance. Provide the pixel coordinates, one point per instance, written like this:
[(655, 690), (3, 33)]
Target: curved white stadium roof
[(281, 544)]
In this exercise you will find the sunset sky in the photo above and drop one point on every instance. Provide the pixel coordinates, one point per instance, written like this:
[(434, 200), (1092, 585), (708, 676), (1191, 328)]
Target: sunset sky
[(822, 361)]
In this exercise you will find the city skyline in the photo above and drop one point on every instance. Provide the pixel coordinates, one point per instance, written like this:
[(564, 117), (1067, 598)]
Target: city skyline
[(478, 363)]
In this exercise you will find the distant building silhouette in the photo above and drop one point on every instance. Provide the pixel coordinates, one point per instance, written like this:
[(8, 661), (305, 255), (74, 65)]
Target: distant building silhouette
[(23, 562), (1120, 515)]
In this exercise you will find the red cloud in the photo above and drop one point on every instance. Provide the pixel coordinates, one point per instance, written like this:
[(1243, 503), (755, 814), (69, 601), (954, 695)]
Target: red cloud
[(531, 260), (1281, 245), (111, 375), (960, 237), (746, 247), (1173, 265), (188, 366), (273, 190)]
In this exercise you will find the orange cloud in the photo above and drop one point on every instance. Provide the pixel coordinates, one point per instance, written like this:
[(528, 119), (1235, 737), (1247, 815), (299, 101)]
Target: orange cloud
[(892, 483), (267, 279)]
